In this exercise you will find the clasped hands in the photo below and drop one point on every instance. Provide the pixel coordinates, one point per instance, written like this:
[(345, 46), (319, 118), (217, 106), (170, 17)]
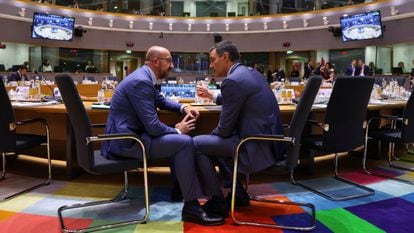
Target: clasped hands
[(189, 121)]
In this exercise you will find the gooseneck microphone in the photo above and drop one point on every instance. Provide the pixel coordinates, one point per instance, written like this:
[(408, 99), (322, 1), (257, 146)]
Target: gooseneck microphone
[(53, 97)]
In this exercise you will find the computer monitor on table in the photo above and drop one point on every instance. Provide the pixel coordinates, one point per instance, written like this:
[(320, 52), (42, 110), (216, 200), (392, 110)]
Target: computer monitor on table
[(185, 91)]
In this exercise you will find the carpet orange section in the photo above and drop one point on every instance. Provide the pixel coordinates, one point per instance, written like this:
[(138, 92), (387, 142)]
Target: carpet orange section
[(23, 223)]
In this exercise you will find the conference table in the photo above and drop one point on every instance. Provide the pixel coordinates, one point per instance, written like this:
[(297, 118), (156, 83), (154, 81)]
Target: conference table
[(62, 139)]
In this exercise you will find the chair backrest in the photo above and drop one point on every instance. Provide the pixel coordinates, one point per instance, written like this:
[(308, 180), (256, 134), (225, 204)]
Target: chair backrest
[(78, 118), (346, 113), (7, 120), (407, 131), (299, 118)]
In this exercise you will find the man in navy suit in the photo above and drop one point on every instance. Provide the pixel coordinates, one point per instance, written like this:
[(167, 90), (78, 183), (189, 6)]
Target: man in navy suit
[(352, 69), (19, 75), (248, 107), (134, 110)]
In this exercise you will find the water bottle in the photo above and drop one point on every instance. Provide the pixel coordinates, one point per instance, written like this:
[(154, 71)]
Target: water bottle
[(37, 86)]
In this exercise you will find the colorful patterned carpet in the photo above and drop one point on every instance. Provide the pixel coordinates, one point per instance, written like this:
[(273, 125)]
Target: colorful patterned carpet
[(391, 209)]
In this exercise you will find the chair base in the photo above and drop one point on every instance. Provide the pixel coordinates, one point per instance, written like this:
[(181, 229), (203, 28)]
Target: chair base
[(100, 227), (10, 191), (279, 202), (368, 191)]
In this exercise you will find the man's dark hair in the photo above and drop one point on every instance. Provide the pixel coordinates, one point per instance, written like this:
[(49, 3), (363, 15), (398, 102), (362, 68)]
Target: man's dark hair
[(229, 47)]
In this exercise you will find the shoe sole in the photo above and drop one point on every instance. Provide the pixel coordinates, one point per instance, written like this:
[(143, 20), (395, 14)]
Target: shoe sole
[(196, 220)]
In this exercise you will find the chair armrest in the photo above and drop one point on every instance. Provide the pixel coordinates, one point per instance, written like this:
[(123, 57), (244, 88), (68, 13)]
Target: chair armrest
[(390, 118), (101, 125), (115, 136), (30, 121), (285, 126), (324, 127), (267, 137)]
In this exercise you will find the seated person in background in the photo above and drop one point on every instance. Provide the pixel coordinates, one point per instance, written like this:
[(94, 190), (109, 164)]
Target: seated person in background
[(134, 110), (295, 72), (402, 66), (363, 69), (279, 74), (352, 68), (309, 69), (90, 68), (19, 75), (248, 107), (99, 7), (327, 72), (371, 69), (47, 67)]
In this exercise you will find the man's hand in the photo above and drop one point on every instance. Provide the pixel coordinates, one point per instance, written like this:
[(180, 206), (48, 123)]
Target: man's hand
[(186, 125), (204, 92), (194, 113)]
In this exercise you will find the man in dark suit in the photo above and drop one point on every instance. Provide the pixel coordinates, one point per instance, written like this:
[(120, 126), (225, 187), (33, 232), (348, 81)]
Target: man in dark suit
[(352, 69), (19, 75), (248, 107), (134, 110), (363, 69)]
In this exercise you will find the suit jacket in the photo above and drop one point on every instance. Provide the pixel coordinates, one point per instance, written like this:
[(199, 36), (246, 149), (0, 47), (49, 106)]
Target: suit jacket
[(16, 77), (351, 71), (250, 107), (134, 110), (365, 68)]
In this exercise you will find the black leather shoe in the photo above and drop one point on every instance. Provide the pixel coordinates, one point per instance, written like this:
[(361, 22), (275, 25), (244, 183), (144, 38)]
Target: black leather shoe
[(220, 208), (196, 214)]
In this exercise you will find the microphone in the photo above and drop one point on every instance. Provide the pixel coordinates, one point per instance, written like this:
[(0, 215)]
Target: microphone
[(53, 97)]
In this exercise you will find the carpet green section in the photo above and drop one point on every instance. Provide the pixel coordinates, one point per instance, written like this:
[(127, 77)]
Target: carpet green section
[(342, 221)]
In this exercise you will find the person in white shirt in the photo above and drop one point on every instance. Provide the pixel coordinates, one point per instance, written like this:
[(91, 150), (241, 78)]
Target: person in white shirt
[(47, 67)]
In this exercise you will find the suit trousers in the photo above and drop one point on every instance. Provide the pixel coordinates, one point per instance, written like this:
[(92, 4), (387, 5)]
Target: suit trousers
[(211, 149), (180, 148)]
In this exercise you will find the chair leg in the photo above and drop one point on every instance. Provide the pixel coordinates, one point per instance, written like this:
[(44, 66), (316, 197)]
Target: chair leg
[(105, 202), (3, 170), (367, 191), (278, 202)]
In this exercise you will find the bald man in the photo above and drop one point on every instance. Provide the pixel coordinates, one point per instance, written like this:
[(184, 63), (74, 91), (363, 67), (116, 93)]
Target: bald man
[(134, 110)]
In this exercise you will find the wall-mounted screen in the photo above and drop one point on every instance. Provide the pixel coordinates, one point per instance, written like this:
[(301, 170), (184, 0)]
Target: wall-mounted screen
[(361, 26), (53, 27)]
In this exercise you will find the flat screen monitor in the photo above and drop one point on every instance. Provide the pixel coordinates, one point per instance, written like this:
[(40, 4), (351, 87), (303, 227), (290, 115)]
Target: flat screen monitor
[(361, 26), (178, 90), (396, 70), (52, 27)]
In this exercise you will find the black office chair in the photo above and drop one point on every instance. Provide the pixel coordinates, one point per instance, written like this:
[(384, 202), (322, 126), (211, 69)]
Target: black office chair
[(12, 143), (401, 131), (292, 156), (92, 161), (343, 129), (2, 67)]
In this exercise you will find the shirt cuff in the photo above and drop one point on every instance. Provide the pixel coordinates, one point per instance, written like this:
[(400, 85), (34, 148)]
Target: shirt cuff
[(215, 94), (178, 131), (182, 109)]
